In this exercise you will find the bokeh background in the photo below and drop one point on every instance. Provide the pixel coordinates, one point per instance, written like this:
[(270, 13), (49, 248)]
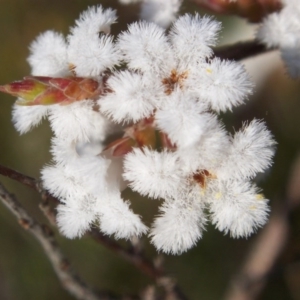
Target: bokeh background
[(203, 272)]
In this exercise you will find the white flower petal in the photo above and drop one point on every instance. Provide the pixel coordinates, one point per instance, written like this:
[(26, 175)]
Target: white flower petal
[(192, 38), (162, 13), (48, 55), (116, 218), (74, 218), (74, 122), (130, 98), (251, 152), (145, 47), (152, 173), (179, 226), (184, 120), (237, 208), (223, 84), (27, 117), (89, 52)]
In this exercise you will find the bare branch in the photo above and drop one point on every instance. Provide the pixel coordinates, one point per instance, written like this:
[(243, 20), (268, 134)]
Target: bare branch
[(35, 185), (130, 254), (241, 50), (252, 277), (268, 247), (28, 181), (24, 179), (44, 235)]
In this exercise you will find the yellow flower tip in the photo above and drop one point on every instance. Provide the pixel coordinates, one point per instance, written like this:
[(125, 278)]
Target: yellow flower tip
[(203, 191), (218, 195), (252, 207), (260, 197)]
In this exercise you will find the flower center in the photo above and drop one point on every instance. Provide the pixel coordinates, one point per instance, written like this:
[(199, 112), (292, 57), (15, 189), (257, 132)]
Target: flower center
[(175, 79), (202, 176)]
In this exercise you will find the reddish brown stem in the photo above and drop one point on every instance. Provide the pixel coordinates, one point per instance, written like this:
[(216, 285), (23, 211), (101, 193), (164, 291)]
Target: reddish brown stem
[(24, 179), (44, 235), (252, 277), (130, 255), (241, 50)]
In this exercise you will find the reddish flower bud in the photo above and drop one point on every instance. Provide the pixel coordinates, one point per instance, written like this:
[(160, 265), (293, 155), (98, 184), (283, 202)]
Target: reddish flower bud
[(253, 10), (141, 134), (120, 146), (38, 90)]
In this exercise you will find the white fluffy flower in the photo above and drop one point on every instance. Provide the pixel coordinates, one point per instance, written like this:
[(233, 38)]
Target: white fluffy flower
[(151, 173), (183, 119), (180, 223), (282, 29), (130, 97), (90, 47), (27, 117), (81, 184), (76, 121), (177, 62), (117, 218), (214, 172), (75, 217), (94, 20), (77, 177), (169, 93), (251, 151), (192, 38), (222, 84), (237, 208), (63, 151), (162, 13), (210, 151), (48, 55), (62, 182), (145, 47)]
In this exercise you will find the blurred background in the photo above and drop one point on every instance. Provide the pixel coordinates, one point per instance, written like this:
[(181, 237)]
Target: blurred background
[(203, 272)]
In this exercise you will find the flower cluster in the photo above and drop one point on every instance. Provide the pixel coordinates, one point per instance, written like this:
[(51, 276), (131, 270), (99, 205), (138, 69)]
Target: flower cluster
[(175, 148), (282, 29)]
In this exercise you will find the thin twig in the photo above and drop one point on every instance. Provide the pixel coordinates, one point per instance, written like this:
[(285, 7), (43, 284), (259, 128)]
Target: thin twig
[(35, 185), (28, 181), (241, 50), (139, 261), (252, 277), (270, 244), (24, 179), (130, 254), (44, 235)]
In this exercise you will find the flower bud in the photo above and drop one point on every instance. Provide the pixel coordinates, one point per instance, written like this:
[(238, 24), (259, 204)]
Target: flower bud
[(253, 10), (38, 90)]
